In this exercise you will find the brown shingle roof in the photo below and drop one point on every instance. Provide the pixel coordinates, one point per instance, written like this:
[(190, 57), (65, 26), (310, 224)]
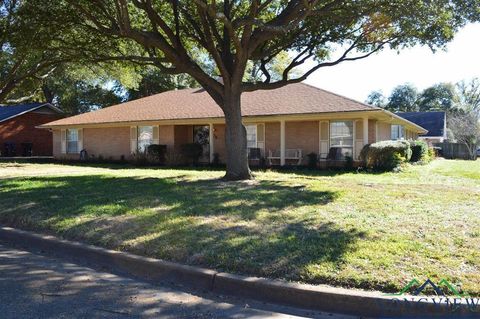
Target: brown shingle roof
[(196, 104)]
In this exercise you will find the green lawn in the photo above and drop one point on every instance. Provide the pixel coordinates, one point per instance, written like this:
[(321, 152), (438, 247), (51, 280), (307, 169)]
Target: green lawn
[(373, 231)]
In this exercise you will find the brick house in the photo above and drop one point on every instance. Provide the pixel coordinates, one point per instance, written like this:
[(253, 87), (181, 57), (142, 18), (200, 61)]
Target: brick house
[(19, 135), (283, 125)]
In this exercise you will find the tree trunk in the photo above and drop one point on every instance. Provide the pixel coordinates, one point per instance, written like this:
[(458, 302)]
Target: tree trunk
[(235, 139)]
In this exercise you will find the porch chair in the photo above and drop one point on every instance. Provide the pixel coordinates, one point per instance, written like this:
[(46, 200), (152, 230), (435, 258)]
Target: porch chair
[(254, 153)]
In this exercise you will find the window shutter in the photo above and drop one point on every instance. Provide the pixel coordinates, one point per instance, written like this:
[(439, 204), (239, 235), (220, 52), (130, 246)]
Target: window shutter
[(358, 125), (133, 139), (155, 135), (63, 141), (261, 137), (324, 138), (80, 140)]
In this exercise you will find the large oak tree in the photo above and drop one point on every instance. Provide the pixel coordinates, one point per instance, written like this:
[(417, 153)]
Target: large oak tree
[(212, 39), (26, 53)]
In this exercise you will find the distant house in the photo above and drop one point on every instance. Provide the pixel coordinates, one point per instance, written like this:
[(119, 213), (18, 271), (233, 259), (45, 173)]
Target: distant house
[(434, 122), (283, 126), (19, 135)]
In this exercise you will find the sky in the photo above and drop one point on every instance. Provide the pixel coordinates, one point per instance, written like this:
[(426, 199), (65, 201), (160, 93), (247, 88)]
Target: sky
[(419, 66)]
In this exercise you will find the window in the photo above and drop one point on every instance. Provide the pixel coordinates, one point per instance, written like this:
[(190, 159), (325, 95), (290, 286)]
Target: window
[(72, 141), (251, 136), (145, 137), (398, 132), (341, 136)]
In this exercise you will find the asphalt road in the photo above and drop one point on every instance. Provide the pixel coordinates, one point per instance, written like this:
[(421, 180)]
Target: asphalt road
[(37, 285)]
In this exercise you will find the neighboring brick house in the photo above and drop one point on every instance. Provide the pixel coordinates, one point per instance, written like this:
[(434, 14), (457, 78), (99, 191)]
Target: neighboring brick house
[(19, 135), (283, 125)]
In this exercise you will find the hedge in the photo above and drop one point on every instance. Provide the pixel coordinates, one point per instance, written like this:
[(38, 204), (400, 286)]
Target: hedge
[(386, 155), (419, 151)]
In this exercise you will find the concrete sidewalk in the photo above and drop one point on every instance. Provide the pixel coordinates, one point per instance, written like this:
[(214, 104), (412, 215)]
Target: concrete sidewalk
[(34, 285)]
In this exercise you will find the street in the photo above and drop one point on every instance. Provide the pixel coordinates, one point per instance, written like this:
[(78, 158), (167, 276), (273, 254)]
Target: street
[(36, 285)]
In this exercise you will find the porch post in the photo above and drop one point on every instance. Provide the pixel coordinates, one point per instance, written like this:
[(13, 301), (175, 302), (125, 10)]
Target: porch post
[(211, 141), (365, 130), (282, 142)]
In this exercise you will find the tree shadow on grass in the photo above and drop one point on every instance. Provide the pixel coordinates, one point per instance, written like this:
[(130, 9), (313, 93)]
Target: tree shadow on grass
[(238, 227)]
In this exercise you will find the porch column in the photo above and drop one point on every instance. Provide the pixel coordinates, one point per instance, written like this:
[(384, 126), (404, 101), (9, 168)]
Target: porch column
[(211, 139), (282, 142), (365, 130)]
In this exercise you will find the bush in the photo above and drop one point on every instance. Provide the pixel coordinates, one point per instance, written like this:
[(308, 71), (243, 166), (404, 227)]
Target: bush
[(349, 163), (157, 153), (140, 159), (419, 151), (386, 155), (432, 154), (191, 152), (312, 160), (216, 159)]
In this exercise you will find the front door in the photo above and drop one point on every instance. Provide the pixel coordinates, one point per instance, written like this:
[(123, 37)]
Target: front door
[(201, 135)]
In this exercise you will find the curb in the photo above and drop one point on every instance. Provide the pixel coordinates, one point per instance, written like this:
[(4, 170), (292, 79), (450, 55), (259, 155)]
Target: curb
[(322, 298)]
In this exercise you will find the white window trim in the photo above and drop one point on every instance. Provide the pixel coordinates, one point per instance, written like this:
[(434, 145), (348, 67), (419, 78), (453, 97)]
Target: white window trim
[(67, 151), (256, 133), (352, 147), (402, 130), (138, 136)]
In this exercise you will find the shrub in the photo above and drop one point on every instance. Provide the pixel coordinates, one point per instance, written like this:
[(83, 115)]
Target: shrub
[(157, 153), (349, 163), (216, 159), (386, 155), (312, 160), (432, 153), (140, 159), (419, 151), (191, 152), (174, 158)]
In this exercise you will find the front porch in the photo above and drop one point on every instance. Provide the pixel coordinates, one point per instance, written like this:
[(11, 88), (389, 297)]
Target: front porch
[(271, 140), (278, 142)]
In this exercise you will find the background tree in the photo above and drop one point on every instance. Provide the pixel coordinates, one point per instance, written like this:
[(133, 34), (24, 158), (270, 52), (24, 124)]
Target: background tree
[(464, 95), (465, 127), (404, 98), (200, 36), (78, 90), (376, 98), (468, 95), (439, 97), (154, 81)]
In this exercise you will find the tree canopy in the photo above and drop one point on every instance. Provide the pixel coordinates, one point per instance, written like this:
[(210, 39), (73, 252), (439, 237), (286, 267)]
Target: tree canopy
[(462, 96), (212, 39), (27, 54)]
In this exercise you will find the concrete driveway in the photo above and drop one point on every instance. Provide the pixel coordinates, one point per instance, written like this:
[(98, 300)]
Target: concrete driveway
[(35, 285)]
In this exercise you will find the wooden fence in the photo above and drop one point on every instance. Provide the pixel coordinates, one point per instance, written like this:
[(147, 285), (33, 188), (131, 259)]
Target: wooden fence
[(454, 150)]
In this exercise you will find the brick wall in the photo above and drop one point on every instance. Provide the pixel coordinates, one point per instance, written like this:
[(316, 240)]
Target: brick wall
[(371, 131), (219, 141), (272, 136), (384, 131), (21, 129), (302, 135), (112, 142)]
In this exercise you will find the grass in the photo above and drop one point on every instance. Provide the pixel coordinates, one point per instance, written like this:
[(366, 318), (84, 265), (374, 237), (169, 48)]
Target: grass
[(372, 231)]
